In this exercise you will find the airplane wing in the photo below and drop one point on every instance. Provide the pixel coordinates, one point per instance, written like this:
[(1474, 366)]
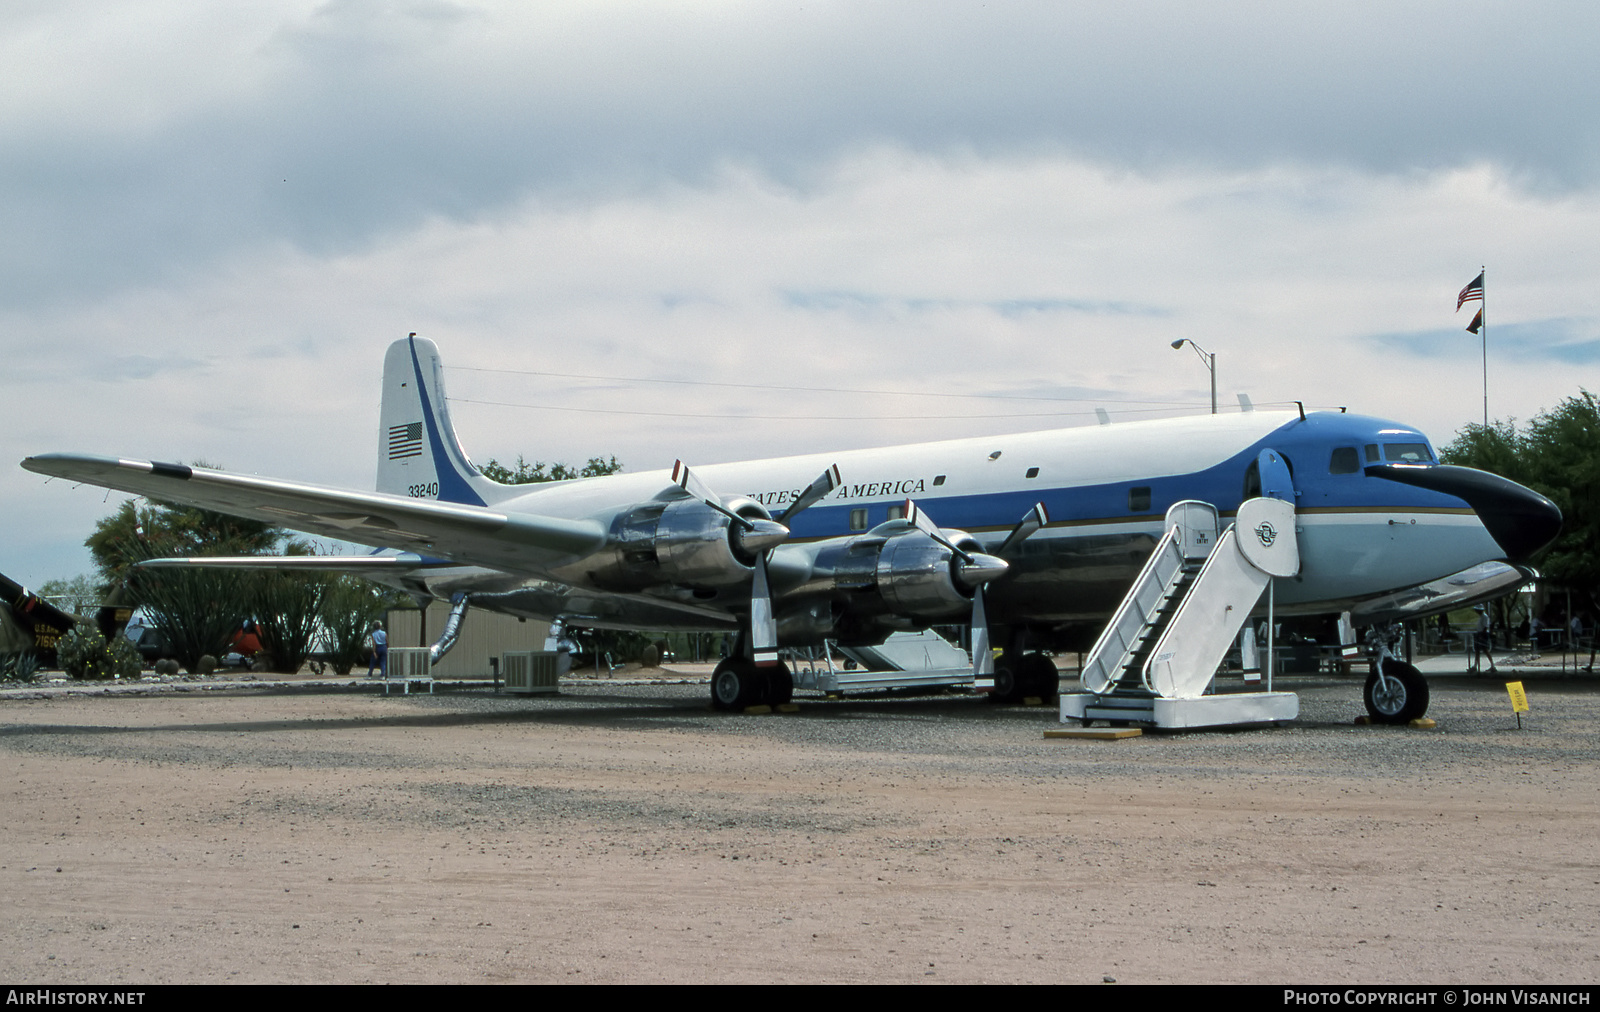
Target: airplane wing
[(468, 534), (354, 565)]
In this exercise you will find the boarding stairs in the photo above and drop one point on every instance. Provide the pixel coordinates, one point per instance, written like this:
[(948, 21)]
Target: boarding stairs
[(921, 659), (1155, 662)]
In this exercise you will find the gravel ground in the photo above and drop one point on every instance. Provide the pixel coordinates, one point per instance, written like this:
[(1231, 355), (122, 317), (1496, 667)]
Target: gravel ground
[(628, 833)]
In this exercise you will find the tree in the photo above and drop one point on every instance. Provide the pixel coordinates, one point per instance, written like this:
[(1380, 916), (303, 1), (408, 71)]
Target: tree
[(1557, 455), (135, 533), (349, 607), (80, 595), (526, 473), (196, 611)]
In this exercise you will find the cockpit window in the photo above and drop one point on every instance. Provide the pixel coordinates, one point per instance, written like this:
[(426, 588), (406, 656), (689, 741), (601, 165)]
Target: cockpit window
[(1410, 453), (1372, 453), (1345, 461)]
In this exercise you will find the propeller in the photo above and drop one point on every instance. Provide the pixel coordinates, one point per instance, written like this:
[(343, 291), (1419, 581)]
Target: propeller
[(759, 537), (976, 569)]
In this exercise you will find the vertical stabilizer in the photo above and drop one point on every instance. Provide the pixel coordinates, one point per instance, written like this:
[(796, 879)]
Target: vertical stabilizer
[(418, 453)]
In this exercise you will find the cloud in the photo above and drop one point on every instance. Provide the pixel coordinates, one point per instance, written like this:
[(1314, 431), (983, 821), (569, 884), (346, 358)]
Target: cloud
[(139, 144), (217, 216), (1571, 341)]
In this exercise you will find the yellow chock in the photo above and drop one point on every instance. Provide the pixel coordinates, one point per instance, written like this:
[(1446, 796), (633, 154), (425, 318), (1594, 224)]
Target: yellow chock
[(1424, 723), (1096, 733), (758, 708), (788, 707)]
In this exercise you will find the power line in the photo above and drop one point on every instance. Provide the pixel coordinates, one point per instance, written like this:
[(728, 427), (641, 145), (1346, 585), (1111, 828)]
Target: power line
[(809, 418), (813, 390)]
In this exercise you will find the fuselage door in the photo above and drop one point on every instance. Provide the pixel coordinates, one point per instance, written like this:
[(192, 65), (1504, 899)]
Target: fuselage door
[(1197, 527), (1276, 481)]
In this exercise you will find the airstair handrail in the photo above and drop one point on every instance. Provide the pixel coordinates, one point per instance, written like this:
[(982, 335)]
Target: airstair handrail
[(1095, 658)]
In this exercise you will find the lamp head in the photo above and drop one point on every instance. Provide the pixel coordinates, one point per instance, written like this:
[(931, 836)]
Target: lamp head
[(1179, 342)]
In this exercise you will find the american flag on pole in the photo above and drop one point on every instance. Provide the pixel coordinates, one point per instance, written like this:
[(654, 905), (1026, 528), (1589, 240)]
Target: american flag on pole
[(405, 441), (1473, 292)]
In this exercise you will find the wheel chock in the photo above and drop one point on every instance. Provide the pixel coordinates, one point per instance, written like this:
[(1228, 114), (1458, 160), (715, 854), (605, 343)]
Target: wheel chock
[(1096, 733)]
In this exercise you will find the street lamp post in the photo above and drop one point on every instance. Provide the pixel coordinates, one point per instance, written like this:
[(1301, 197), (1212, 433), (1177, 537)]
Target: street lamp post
[(1211, 364)]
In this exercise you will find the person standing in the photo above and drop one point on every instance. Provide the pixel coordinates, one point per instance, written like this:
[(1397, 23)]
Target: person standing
[(379, 657), (1485, 637)]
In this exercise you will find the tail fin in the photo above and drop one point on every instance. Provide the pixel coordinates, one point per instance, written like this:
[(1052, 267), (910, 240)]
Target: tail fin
[(418, 453)]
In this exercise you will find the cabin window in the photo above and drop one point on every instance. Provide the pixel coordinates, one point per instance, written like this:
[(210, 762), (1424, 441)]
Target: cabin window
[(1372, 453), (1139, 499), (1033, 472), (1409, 453), (1345, 461), (858, 520), (938, 479), (897, 511)]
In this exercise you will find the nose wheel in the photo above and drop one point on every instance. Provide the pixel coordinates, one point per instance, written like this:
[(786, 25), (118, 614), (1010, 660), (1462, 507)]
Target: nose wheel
[(1399, 697)]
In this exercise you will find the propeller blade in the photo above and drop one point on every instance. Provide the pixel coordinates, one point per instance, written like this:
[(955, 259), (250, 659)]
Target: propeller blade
[(763, 625), (691, 484), (922, 522), (982, 656), (826, 482), (1032, 522)]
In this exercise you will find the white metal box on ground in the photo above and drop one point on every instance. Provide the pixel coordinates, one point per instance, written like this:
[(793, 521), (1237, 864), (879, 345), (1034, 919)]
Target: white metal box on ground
[(530, 671), (406, 665)]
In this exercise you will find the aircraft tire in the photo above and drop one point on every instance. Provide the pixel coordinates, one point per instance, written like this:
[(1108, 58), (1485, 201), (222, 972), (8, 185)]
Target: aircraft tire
[(736, 683), (1406, 698), (780, 685), (1007, 686), (1037, 676)]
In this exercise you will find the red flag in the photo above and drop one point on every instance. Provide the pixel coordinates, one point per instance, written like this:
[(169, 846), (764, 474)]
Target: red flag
[(1477, 322), (1473, 291)]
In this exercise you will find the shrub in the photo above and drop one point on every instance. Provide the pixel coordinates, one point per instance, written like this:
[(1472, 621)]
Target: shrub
[(18, 667), (84, 653)]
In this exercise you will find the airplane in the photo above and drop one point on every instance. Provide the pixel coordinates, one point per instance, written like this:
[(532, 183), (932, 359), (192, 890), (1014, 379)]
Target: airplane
[(1037, 537)]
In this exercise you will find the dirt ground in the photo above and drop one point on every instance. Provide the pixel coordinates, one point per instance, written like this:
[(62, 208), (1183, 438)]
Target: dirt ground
[(628, 834)]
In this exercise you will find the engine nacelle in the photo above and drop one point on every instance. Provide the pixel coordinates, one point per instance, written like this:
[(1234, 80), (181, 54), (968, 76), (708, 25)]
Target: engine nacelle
[(899, 579), (684, 542), (917, 577)]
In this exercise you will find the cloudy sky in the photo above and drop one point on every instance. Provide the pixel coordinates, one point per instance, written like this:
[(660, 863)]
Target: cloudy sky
[(728, 230)]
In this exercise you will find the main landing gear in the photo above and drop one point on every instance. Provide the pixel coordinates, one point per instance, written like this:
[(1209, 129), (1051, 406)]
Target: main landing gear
[(1018, 676), (738, 683)]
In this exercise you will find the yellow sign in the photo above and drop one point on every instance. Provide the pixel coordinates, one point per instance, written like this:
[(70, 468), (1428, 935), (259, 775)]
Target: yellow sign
[(1519, 698)]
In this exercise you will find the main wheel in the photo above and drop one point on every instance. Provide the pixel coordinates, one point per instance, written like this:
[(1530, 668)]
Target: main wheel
[(1007, 686), (1037, 676), (1403, 696), (737, 683), (780, 685)]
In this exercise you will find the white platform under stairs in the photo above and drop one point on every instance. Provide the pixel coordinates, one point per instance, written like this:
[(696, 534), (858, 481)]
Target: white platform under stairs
[(1156, 661)]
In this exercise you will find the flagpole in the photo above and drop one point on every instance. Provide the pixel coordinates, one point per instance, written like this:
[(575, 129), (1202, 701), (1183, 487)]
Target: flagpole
[(1483, 308)]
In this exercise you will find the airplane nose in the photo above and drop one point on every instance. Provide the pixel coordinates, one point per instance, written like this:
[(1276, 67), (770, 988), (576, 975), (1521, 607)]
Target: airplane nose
[(1521, 520)]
